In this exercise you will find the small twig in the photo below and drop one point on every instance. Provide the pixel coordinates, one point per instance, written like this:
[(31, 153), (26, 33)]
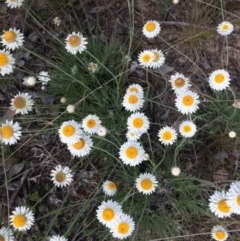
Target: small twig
[(180, 23)]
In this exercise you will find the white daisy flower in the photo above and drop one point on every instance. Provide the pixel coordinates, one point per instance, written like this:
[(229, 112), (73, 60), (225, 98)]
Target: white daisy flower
[(122, 227), (91, 124), (131, 153), (135, 88), (175, 171), (10, 132), (21, 103), (109, 188), (218, 204), (44, 77), (63, 100), (187, 129), (138, 122), (93, 67), (225, 28), (233, 197), (6, 62), (167, 135), (133, 136), (75, 42), (57, 238), (151, 29), (179, 82), (146, 58), (158, 59), (146, 183), (61, 176), (29, 81), (81, 147), (70, 109), (187, 102), (108, 211), (219, 79), (102, 131), (14, 3), (232, 134), (6, 234), (12, 39), (219, 233), (132, 101), (70, 132), (22, 218)]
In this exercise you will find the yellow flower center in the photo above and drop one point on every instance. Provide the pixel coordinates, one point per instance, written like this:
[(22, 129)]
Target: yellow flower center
[(220, 235), (80, 144), (74, 40), (60, 176), (225, 27), (91, 123), (68, 130), (223, 207), (187, 128), (138, 122), (219, 78), (179, 82), (167, 136), (10, 36), (3, 60), (146, 184), (188, 100), (19, 221), (6, 132), (150, 26), (132, 99), (108, 214), (156, 56), (19, 102), (112, 186), (146, 58), (131, 152), (238, 200), (93, 66), (132, 89), (123, 228)]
